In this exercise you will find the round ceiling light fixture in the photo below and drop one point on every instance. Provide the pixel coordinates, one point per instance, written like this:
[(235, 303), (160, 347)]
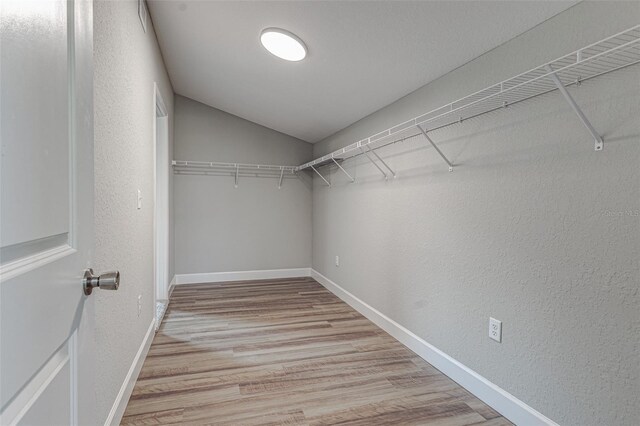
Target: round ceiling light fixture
[(283, 44)]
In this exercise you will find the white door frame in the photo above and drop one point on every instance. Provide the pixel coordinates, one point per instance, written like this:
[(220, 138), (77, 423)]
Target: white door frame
[(161, 201)]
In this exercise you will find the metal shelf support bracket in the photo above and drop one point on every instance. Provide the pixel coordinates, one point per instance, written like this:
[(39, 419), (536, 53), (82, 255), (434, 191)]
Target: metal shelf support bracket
[(382, 161), (322, 177), (281, 176), (343, 170), (374, 163), (599, 142), (424, 132)]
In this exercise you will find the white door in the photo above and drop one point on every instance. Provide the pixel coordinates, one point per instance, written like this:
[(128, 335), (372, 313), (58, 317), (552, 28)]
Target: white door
[(46, 222)]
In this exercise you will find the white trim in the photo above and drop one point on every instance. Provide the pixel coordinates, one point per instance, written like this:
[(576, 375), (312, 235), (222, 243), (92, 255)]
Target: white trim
[(172, 285), (35, 261), (216, 277), (158, 102), (494, 396), (160, 196), (165, 304), (120, 404)]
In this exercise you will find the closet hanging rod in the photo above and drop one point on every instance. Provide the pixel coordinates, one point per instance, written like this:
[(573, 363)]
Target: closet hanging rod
[(613, 53)]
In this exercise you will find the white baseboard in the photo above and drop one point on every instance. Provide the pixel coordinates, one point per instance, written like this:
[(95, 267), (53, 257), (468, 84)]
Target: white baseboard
[(497, 398), (216, 277), (120, 404)]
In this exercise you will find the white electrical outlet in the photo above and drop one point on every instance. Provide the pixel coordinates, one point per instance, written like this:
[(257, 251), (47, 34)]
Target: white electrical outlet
[(495, 329), (337, 260), (139, 199), (139, 305)]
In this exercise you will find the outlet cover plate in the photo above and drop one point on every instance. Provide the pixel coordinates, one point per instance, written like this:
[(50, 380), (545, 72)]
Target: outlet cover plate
[(495, 329)]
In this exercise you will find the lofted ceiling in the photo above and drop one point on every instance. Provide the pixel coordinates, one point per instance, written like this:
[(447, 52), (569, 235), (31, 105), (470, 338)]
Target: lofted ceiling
[(362, 55)]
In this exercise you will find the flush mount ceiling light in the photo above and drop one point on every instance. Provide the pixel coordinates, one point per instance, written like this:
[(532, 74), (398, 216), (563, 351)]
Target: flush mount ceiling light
[(283, 44)]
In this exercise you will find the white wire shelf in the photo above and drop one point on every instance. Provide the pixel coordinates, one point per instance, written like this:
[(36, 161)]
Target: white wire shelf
[(610, 54), (218, 165), (237, 170)]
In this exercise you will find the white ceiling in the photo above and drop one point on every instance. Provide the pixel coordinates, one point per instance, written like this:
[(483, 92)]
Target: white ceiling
[(362, 55)]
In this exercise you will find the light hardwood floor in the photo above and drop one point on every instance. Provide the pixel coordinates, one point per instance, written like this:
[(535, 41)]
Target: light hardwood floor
[(287, 352)]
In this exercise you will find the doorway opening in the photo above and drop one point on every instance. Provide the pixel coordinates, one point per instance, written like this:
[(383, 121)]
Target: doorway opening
[(161, 205)]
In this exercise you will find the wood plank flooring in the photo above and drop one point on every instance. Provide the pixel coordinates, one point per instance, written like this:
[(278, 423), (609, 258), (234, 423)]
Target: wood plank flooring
[(287, 352)]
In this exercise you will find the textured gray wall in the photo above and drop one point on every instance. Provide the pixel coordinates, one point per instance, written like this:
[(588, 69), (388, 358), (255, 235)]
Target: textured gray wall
[(219, 228), (127, 62), (531, 228)]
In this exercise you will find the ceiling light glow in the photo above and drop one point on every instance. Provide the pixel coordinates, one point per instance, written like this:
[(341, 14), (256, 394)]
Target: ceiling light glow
[(283, 44)]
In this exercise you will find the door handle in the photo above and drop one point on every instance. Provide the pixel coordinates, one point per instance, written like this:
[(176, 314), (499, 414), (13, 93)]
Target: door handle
[(106, 281)]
